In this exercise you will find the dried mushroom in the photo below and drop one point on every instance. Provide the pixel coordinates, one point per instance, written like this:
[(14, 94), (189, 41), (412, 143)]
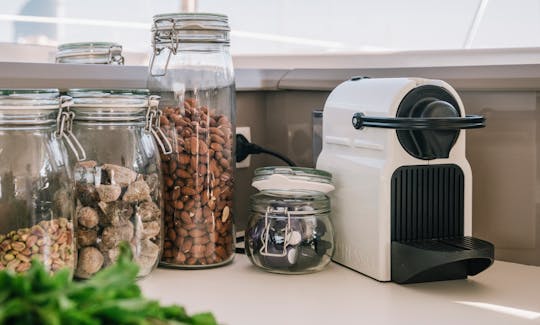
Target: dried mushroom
[(116, 204)]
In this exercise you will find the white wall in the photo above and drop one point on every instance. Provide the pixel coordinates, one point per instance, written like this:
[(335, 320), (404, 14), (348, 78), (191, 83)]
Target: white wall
[(310, 26)]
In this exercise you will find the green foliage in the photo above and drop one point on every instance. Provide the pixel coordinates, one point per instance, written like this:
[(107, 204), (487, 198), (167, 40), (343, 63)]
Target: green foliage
[(110, 297)]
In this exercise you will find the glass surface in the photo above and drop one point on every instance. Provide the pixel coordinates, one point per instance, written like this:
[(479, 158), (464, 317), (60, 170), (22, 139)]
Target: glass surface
[(297, 173), (290, 232), (198, 105), (118, 188), (90, 53), (36, 184)]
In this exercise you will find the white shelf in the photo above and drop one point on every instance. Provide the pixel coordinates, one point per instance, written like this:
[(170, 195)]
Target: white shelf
[(512, 69), (240, 294)]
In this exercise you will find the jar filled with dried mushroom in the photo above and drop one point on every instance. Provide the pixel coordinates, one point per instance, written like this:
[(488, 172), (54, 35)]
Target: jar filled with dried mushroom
[(36, 183), (191, 70), (118, 188)]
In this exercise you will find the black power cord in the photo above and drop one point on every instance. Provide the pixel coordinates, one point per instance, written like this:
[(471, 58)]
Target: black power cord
[(244, 148)]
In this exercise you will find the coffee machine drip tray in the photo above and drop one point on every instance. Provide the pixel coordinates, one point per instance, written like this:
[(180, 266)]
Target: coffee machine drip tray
[(439, 259)]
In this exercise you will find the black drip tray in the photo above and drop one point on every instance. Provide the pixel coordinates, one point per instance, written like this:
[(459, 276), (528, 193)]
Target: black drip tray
[(440, 259)]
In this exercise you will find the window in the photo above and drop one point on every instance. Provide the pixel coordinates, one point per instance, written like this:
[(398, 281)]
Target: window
[(285, 26)]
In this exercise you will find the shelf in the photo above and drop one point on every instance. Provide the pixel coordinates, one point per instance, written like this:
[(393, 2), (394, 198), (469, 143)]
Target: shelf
[(499, 76)]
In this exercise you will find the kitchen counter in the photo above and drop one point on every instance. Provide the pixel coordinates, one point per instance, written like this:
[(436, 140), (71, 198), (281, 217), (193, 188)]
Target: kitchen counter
[(240, 294)]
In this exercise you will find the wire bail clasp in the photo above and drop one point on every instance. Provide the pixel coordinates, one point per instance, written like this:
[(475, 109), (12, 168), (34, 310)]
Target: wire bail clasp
[(115, 55), (64, 127), (266, 230), (153, 125), (172, 46)]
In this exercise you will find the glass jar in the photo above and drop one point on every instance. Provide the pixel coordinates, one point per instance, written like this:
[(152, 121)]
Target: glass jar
[(191, 70), (118, 187), (289, 230), (36, 184), (90, 53)]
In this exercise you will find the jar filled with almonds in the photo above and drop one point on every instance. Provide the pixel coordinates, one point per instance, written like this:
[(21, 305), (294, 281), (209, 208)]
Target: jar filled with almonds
[(191, 70), (118, 188), (36, 183)]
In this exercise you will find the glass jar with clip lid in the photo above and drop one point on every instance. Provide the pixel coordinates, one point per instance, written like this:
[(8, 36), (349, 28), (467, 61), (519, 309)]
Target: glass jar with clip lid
[(118, 188), (191, 69), (290, 230), (90, 53), (36, 181)]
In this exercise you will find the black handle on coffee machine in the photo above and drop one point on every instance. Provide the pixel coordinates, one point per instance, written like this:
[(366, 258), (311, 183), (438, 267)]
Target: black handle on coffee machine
[(360, 121)]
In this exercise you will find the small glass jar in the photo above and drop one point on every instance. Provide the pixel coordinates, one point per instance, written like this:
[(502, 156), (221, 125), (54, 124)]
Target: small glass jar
[(90, 53), (290, 230), (191, 70), (36, 183), (118, 187)]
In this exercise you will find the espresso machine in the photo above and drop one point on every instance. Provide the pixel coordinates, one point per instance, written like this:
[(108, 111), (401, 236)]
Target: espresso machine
[(403, 199)]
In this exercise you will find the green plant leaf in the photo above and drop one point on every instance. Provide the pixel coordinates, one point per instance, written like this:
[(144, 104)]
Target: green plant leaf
[(112, 296)]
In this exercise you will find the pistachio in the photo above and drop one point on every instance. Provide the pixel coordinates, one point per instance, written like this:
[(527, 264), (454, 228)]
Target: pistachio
[(23, 258), (49, 238), (31, 240), (12, 265), (18, 246)]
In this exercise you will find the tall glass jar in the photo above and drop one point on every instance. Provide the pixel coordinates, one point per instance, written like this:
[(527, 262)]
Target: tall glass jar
[(118, 187), (191, 69), (90, 53), (36, 184)]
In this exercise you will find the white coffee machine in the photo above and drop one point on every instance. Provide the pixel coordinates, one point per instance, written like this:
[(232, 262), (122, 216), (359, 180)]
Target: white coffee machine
[(402, 204)]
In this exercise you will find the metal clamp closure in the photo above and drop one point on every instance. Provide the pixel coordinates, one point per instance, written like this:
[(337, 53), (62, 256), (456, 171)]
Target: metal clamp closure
[(115, 55), (64, 127), (266, 230), (153, 125), (172, 46)]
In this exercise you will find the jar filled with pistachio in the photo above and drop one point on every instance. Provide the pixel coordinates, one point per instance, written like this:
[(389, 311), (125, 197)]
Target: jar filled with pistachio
[(118, 188), (36, 184)]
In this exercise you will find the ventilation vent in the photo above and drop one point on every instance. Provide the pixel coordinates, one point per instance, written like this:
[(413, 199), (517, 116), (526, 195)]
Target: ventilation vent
[(427, 202)]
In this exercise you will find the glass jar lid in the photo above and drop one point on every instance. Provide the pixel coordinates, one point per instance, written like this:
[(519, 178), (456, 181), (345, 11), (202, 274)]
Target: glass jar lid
[(292, 178), (290, 202), (29, 106), (123, 107), (190, 27), (101, 105), (28, 97), (90, 53)]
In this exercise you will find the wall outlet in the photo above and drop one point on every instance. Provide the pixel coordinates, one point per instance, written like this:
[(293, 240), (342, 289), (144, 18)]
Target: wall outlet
[(245, 131)]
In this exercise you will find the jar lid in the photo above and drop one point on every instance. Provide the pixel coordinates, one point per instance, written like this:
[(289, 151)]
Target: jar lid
[(190, 27), (292, 202), (28, 107), (90, 53), (292, 178), (29, 98), (110, 104)]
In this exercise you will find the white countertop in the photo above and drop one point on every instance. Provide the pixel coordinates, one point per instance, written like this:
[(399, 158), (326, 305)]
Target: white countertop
[(241, 294)]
